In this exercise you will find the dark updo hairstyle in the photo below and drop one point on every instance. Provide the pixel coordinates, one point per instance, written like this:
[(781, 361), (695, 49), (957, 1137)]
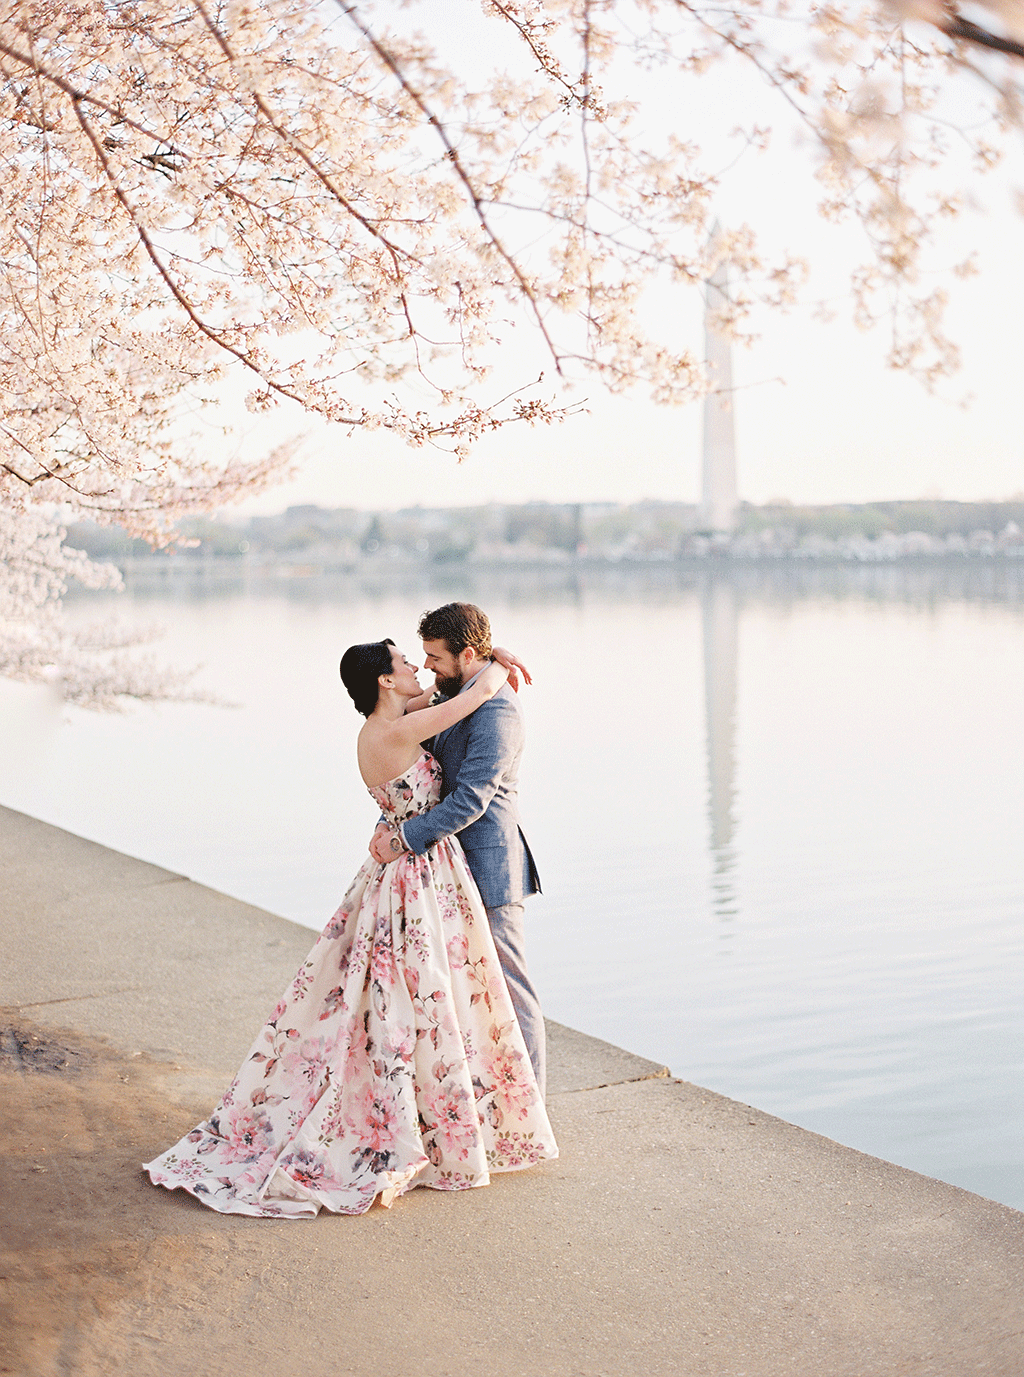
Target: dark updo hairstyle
[(361, 666)]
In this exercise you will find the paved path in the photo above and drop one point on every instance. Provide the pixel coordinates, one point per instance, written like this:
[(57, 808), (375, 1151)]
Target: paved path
[(679, 1233)]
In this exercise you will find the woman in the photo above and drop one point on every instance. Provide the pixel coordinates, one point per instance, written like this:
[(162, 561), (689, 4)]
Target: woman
[(394, 1058)]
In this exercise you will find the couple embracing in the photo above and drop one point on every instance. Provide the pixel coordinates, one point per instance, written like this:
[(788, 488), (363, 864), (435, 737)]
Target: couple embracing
[(409, 1048)]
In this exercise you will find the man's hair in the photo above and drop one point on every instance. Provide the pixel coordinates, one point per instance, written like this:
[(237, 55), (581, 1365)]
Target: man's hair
[(458, 624), (361, 666)]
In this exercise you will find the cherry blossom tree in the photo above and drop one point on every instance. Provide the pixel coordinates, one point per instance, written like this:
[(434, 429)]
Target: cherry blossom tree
[(312, 197)]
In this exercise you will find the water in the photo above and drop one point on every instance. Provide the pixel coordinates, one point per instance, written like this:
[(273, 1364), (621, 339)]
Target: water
[(778, 814)]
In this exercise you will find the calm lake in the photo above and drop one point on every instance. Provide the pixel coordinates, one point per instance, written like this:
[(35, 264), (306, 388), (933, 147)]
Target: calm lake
[(778, 813)]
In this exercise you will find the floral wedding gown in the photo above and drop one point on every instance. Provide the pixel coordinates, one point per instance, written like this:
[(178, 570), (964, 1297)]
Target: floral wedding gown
[(393, 1060)]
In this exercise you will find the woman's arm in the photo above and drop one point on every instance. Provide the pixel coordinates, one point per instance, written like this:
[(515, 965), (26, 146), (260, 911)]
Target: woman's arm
[(429, 721), (418, 704), (501, 656), (494, 739), (506, 658)]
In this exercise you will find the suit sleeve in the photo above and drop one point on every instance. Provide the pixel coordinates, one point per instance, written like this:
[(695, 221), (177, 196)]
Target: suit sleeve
[(493, 738)]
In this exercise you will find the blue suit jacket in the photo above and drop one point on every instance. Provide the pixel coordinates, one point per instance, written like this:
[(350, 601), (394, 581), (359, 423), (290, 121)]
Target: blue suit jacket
[(479, 758)]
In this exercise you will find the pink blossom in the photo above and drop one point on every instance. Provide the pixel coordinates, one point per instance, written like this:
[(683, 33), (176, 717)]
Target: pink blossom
[(374, 1120), (246, 1134), (514, 1088), (458, 950), (455, 1115), (400, 1045), (309, 1060)]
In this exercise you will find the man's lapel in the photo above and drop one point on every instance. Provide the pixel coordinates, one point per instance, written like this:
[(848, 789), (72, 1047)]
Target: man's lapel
[(440, 738)]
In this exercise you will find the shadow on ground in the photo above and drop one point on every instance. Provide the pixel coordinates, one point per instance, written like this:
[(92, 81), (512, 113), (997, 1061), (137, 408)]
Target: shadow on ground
[(82, 1227)]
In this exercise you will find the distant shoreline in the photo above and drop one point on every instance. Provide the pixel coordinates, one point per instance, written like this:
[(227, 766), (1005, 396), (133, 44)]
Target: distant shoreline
[(311, 541), (220, 567)]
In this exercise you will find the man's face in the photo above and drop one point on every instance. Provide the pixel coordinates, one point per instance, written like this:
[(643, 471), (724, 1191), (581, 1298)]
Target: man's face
[(439, 661)]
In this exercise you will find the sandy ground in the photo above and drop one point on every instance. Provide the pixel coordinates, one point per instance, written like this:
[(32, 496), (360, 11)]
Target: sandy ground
[(78, 1120), (105, 1274)]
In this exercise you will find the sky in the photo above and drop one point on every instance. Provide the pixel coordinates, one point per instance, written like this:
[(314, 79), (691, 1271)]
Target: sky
[(819, 416)]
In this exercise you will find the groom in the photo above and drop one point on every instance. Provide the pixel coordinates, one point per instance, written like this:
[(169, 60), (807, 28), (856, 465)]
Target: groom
[(479, 758)]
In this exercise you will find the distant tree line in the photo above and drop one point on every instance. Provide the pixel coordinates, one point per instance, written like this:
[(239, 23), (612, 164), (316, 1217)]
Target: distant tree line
[(873, 519), (644, 531)]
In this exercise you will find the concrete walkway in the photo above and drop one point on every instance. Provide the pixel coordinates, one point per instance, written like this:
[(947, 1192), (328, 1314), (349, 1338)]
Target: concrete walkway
[(679, 1233)]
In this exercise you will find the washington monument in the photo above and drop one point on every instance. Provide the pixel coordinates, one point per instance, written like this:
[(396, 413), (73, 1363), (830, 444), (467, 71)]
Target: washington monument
[(719, 499)]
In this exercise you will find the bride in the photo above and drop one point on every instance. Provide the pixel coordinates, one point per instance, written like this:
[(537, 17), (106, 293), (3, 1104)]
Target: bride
[(394, 1058)]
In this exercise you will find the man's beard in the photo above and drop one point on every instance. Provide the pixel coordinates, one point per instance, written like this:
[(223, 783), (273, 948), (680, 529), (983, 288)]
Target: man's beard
[(449, 687)]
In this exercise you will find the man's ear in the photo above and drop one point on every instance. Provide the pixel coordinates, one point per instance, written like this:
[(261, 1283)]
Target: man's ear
[(465, 656)]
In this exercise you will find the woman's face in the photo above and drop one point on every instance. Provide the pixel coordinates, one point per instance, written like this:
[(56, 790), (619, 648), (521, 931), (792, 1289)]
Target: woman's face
[(404, 674)]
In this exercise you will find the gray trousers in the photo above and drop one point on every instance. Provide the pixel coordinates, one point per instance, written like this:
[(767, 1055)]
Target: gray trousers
[(507, 930)]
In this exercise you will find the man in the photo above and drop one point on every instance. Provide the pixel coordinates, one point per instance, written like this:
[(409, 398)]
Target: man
[(479, 758)]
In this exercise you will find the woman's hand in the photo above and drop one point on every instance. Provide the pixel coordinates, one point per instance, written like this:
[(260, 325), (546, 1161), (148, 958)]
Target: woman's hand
[(506, 658)]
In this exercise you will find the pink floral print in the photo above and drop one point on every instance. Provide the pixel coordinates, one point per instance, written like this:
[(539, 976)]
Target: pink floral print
[(393, 1059)]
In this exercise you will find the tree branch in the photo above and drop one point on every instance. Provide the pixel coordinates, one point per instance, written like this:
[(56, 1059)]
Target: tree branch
[(958, 27), (293, 143), (151, 252), (453, 157), (33, 65)]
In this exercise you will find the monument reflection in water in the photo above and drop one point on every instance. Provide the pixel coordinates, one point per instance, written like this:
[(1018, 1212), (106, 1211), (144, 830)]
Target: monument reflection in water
[(720, 627), (719, 610)]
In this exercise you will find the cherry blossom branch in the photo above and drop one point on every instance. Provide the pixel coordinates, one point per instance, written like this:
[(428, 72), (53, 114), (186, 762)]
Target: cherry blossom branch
[(452, 155), (77, 94), (151, 252), (540, 51), (958, 27), (296, 146)]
